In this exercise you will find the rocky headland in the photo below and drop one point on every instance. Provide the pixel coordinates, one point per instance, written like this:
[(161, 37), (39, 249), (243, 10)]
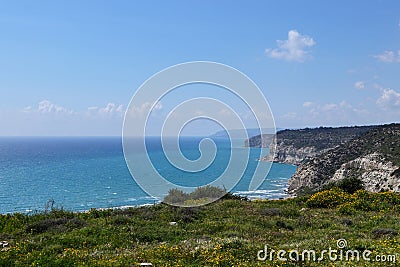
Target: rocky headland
[(325, 155)]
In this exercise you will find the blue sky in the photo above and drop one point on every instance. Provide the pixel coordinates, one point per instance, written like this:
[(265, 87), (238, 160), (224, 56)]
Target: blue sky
[(71, 67)]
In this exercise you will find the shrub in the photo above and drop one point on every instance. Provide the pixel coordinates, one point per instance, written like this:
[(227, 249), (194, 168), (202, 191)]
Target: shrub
[(187, 214), (281, 224), (207, 192), (390, 198), (328, 199), (350, 185), (234, 197), (176, 196), (121, 220), (197, 197), (347, 208), (367, 201), (347, 222), (60, 224), (305, 192)]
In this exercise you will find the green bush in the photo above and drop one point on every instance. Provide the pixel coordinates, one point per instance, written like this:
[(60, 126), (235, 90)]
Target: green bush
[(328, 199), (207, 192), (176, 196), (360, 200), (202, 195), (347, 208), (350, 185), (367, 201)]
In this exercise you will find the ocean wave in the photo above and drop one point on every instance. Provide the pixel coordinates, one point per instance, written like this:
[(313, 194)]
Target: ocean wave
[(262, 194)]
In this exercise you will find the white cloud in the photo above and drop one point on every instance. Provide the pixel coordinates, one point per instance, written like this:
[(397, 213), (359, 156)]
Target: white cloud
[(120, 109), (389, 56), (47, 118), (308, 104), (158, 106), (46, 107), (329, 107), (389, 100), (295, 48), (111, 109), (371, 110), (331, 111), (144, 109), (359, 85)]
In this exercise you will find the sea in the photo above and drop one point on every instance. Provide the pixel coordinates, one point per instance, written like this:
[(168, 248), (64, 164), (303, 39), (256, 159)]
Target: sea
[(80, 173)]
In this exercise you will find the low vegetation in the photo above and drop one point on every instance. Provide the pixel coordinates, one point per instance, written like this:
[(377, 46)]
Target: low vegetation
[(228, 232), (200, 196)]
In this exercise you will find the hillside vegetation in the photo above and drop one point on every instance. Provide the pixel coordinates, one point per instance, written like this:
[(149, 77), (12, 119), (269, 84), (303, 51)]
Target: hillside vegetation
[(229, 232)]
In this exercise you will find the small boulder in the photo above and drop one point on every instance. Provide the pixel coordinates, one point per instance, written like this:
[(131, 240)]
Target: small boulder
[(271, 212), (384, 231)]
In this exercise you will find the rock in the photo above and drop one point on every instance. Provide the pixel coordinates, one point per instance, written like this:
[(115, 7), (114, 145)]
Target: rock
[(373, 171), (292, 155), (271, 211), (173, 223), (384, 231), (204, 239)]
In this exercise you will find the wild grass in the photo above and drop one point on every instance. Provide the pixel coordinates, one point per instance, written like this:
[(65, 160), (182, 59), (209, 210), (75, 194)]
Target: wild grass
[(228, 232)]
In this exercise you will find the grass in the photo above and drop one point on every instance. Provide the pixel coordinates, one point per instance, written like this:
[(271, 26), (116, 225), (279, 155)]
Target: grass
[(228, 232)]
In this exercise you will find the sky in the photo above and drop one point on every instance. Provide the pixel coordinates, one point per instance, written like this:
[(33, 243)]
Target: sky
[(70, 68)]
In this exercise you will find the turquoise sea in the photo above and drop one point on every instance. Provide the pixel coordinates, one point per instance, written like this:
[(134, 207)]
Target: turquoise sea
[(80, 173)]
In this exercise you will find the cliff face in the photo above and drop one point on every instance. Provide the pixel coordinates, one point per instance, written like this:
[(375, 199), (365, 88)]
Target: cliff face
[(291, 155), (373, 157), (259, 141), (376, 173), (298, 146)]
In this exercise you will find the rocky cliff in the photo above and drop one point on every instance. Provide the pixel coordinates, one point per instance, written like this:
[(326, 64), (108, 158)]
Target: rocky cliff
[(298, 146), (373, 157)]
